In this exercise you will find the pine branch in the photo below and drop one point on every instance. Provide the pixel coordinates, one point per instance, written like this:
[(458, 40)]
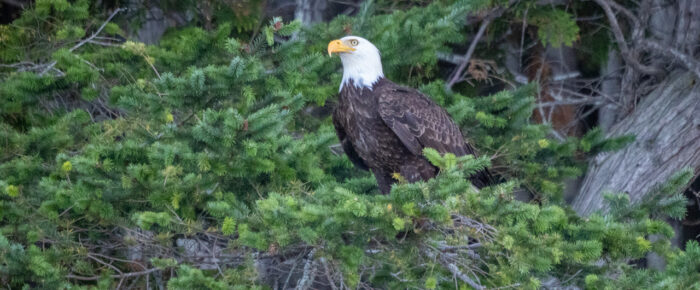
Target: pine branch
[(84, 41)]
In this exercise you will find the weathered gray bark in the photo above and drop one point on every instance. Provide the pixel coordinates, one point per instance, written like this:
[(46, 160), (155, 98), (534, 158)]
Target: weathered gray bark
[(310, 11), (670, 34), (156, 21), (610, 88), (667, 127)]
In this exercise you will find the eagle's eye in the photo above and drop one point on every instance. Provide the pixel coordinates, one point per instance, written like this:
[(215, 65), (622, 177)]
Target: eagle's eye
[(354, 42)]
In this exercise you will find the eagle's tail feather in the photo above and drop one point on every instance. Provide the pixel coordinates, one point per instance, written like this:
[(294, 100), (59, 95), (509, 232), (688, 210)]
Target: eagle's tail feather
[(482, 178)]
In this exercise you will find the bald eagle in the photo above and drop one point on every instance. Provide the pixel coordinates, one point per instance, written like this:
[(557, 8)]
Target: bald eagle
[(383, 127)]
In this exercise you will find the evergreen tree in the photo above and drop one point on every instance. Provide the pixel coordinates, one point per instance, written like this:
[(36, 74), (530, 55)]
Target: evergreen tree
[(191, 162)]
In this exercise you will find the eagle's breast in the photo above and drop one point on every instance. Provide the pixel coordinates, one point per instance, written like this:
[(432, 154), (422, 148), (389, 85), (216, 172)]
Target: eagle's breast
[(373, 141)]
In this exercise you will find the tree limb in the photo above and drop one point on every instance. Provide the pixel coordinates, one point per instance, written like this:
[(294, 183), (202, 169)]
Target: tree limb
[(453, 269), (84, 41), (622, 43), (457, 74), (328, 274), (121, 276), (309, 272), (686, 60)]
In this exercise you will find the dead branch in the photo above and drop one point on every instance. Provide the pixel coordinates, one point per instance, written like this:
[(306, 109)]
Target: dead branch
[(309, 272), (590, 101), (457, 75), (452, 268), (486, 232), (328, 274), (686, 60), (84, 41), (443, 247), (105, 264), (625, 51), (97, 32), (120, 276)]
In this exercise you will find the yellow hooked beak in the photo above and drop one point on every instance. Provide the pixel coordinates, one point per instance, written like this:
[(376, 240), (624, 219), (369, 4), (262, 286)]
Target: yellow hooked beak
[(338, 46)]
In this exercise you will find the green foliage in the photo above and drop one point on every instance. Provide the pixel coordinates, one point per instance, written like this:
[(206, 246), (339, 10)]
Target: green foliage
[(501, 123), (190, 278), (663, 200), (555, 27), (597, 45), (118, 154), (409, 39)]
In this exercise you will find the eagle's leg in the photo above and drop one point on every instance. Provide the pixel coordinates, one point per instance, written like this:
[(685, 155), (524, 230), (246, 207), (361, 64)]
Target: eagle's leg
[(384, 180)]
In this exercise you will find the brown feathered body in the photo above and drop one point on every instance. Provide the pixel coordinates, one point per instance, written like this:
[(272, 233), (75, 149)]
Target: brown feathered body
[(385, 128)]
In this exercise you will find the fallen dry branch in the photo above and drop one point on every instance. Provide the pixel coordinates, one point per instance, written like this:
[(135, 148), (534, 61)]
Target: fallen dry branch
[(452, 267)]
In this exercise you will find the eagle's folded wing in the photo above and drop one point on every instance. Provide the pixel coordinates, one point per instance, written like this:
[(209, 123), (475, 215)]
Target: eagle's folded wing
[(419, 122)]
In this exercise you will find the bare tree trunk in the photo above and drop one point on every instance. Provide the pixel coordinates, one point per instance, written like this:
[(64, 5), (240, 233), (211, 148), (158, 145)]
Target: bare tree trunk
[(667, 128), (610, 87), (156, 21), (309, 11)]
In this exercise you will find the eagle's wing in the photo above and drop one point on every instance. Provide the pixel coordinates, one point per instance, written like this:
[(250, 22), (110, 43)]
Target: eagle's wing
[(419, 122), (345, 142)]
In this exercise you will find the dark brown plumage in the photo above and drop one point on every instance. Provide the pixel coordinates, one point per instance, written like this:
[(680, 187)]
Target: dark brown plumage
[(385, 128)]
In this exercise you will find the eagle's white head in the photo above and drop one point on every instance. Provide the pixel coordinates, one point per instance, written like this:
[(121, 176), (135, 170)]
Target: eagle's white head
[(361, 61)]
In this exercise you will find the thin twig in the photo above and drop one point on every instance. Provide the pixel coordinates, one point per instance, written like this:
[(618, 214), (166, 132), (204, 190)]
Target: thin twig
[(120, 276), (622, 43), (309, 272), (289, 276), (457, 74), (328, 274), (84, 41), (686, 60), (97, 32), (451, 248), (105, 263), (592, 100), (453, 269)]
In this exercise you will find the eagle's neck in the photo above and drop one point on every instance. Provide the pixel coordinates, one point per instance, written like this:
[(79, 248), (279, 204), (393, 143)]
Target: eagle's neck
[(360, 94), (362, 71)]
